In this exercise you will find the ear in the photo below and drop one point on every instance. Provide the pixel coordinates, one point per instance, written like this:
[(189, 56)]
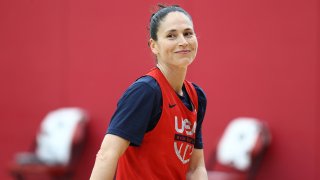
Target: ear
[(153, 46)]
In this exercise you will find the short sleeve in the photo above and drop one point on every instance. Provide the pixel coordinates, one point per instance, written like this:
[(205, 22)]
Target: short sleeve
[(134, 113), (202, 105)]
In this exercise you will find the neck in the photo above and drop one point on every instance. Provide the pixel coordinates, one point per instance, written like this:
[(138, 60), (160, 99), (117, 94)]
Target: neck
[(175, 76)]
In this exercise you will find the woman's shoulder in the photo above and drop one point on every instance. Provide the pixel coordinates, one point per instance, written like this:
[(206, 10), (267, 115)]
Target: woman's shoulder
[(200, 92), (147, 81), (144, 86)]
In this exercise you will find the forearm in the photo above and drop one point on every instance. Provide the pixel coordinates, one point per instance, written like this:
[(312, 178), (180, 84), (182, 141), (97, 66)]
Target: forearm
[(107, 157), (199, 173), (197, 169), (104, 167)]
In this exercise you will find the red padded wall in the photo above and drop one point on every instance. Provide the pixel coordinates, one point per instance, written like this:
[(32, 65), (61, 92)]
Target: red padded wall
[(256, 58)]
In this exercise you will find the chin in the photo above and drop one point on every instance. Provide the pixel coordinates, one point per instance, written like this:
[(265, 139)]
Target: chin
[(185, 62)]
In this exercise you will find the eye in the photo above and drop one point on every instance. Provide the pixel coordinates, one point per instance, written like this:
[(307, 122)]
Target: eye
[(171, 36), (188, 34)]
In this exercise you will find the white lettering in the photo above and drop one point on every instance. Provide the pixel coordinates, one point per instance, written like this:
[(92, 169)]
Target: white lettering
[(179, 130), (194, 127), (185, 126)]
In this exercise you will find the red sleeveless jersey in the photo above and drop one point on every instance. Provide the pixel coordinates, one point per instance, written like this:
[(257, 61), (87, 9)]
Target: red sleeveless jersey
[(166, 150)]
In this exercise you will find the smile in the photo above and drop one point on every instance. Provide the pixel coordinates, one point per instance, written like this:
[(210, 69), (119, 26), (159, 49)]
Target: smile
[(183, 52)]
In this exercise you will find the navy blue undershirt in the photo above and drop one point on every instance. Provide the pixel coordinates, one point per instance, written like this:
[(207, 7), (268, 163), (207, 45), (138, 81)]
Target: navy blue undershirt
[(139, 110)]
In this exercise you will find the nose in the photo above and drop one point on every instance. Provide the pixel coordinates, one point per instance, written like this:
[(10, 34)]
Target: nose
[(182, 41)]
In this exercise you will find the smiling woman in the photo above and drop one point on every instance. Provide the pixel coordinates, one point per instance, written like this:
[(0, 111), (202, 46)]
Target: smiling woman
[(155, 132), (176, 43)]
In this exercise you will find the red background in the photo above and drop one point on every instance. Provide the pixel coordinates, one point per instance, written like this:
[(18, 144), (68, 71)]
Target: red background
[(255, 58)]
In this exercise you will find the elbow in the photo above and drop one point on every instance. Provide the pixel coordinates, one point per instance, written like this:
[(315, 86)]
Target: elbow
[(199, 173), (104, 155), (101, 155)]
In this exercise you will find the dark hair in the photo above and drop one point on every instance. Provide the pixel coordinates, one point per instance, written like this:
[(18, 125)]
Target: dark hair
[(158, 16)]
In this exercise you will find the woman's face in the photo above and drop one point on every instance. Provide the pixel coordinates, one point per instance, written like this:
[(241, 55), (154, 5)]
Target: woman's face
[(177, 43)]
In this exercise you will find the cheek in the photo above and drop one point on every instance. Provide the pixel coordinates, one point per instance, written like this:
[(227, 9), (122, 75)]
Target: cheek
[(195, 48), (164, 47), (169, 48), (195, 44)]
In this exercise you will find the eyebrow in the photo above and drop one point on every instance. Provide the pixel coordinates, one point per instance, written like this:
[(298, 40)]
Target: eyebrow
[(174, 30)]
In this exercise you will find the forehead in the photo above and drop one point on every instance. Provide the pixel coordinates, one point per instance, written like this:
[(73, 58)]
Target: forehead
[(175, 21)]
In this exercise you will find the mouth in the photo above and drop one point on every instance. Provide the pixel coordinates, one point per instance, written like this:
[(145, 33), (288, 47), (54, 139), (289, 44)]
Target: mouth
[(183, 52)]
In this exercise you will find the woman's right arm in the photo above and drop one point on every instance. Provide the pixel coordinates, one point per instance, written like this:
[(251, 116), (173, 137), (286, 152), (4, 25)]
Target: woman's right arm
[(111, 149), (133, 114)]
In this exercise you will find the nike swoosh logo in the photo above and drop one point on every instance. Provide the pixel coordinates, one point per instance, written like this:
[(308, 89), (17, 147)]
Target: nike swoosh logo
[(172, 105)]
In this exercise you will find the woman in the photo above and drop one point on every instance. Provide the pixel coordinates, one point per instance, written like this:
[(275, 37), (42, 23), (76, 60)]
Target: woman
[(155, 132)]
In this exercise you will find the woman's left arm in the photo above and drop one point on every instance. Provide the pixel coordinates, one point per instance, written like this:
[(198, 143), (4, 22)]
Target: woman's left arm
[(197, 169)]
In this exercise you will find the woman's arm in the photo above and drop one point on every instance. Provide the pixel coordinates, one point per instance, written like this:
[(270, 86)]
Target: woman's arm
[(197, 169), (111, 149)]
